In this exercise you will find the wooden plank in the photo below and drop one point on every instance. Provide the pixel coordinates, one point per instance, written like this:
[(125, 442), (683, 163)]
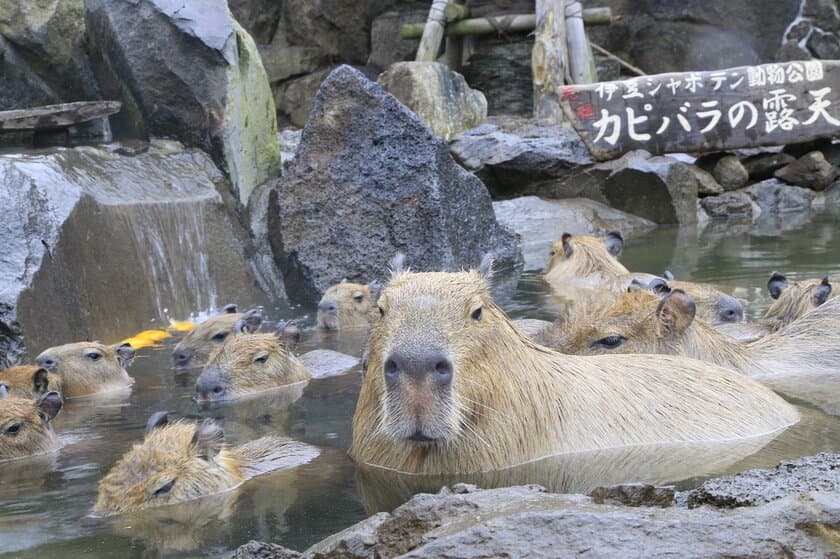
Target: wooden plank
[(549, 60), (56, 116), (579, 53), (771, 104), (433, 30), (514, 23)]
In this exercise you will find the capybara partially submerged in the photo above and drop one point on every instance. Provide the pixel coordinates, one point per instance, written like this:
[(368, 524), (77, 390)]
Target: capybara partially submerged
[(591, 262), (197, 345), (348, 305), (86, 368), (29, 381), (452, 386), (180, 461), (26, 424)]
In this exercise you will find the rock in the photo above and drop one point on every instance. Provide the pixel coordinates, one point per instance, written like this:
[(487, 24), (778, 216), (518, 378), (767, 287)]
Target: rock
[(756, 487), (540, 222), (763, 165), (259, 550), (293, 98), (502, 70), (790, 51), (729, 173), (515, 156), (282, 62), (824, 45), (731, 205), (773, 196), (607, 69), (386, 43), (799, 30), (259, 17), (357, 541), (369, 179), (190, 72), (706, 183), (634, 495), (810, 171), (21, 86), (440, 97), (289, 139), (165, 244)]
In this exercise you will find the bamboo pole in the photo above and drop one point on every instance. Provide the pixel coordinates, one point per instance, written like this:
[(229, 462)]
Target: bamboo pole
[(454, 49), (549, 63), (456, 11), (432, 34), (581, 60), (513, 24)]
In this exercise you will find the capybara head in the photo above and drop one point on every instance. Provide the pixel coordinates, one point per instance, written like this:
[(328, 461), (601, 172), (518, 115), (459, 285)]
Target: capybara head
[(582, 255), (348, 305), (26, 424), (29, 381), (713, 305), (249, 363), (792, 299), (177, 461), (88, 367), (194, 349)]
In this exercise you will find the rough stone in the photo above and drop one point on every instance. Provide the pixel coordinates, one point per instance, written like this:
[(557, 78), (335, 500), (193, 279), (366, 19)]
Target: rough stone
[(386, 43), (259, 17), (730, 173), (706, 183), (356, 542), (540, 222), (190, 72), (293, 98), (763, 165), (824, 45), (369, 179), (799, 30), (731, 205), (21, 86), (809, 171), (289, 139), (282, 62), (260, 550), (634, 495), (502, 70), (790, 51), (440, 97), (165, 244), (773, 197)]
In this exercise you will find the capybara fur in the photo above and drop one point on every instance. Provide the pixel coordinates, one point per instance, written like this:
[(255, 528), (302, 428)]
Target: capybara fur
[(29, 381), (26, 424), (86, 368), (452, 386), (197, 345), (348, 305), (592, 262), (180, 461), (792, 299)]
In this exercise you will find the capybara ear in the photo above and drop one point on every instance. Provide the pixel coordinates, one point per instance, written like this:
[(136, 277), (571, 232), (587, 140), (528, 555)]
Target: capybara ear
[(821, 293), (208, 439), (614, 243), (674, 314), (375, 287), (249, 323), (40, 381), (125, 354), (659, 286), (289, 335), (49, 405), (158, 419), (230, 309), (485, 269), (397, 263), (567, 245), (4, 390), (776, 284), (668, 275)]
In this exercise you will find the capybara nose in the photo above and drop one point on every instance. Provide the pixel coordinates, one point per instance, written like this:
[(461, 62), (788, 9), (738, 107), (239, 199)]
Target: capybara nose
[(181, 358), (731, 310), (47, 362), (209, 385), (327, 307), (419, 367)]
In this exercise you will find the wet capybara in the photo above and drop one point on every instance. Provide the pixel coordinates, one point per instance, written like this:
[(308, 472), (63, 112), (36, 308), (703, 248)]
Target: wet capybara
[(26, 424), (86, 368), (792, 299), (348, 305), (197, 345), (453, 387), (591, 262), (180, 461), (29, 381)]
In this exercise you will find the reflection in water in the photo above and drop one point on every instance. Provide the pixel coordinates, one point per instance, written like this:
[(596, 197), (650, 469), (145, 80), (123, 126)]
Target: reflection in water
[(44, 502)]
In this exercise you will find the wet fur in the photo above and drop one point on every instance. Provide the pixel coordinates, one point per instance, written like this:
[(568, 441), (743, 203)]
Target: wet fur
[(80, 376), (350, 313), (199, 341), (19, 380), (36, 435)]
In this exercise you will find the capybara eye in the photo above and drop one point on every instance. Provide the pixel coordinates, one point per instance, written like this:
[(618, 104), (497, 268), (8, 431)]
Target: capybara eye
[(610, 342), (358, 297), (94, 356), (12, 430), (217, 389), (476, 314), (220, 336), (164, 489), (261, 358), (553, 253)]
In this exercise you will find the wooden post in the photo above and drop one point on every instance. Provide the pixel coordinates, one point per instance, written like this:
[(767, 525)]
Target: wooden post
[(454, 45), (581, 60), (549, 63), (432, 32)]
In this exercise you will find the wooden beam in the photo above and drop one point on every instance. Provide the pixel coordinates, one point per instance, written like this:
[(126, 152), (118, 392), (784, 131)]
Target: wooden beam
[(581, 60), (549, 62), (432, 33), (512, 23), (56, 116)]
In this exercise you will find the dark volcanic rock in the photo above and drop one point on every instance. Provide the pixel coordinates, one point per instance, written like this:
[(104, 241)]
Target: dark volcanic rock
[(502, 70), (370, 179), (773, 196), (824, 45), (809, 171), (763, 165), (728, 206), (260, 550), (634, 495)]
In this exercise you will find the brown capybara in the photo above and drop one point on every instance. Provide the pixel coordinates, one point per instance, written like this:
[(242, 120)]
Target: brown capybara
[(179, 461), (26, 424), (580, 261), (197, 345), (348, 305), (29, 381), (452, 386), (86, 368), (792, 299)]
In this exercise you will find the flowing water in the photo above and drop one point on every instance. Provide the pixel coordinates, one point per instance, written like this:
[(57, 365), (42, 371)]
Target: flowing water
[(44, 502)]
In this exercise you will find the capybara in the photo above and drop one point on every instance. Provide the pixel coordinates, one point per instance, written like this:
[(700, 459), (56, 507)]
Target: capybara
[(452, 386), (197, 345), (591, 262), (26, 424), (792, 299), (180, 460), (88, 367), (348, 305), (29, 381)]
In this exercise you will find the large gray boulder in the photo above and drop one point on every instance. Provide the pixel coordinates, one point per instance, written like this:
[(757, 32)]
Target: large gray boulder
[(369, 179), (101, 243), (775, 197), (188, 71)]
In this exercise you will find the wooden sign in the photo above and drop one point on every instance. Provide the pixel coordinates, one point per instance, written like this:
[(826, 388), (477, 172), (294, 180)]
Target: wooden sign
[(56, 116), (771, 104)]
